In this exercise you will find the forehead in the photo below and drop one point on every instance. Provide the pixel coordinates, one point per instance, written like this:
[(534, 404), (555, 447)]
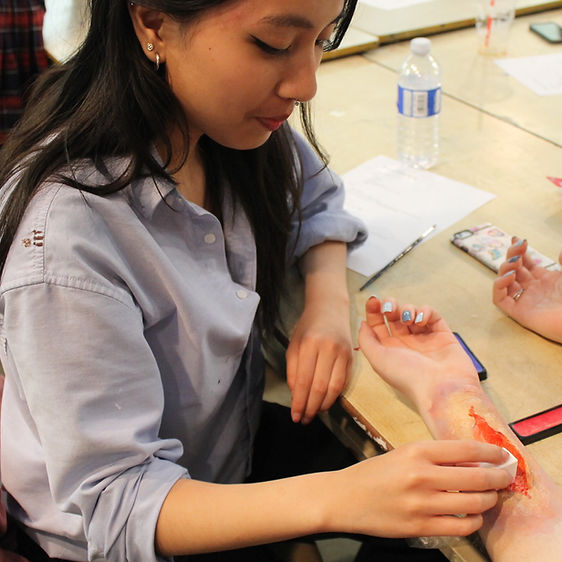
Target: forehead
[(301, 14)]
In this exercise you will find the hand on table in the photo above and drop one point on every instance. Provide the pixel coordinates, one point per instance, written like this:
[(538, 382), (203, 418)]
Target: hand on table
[(421, 354), (530, 294), (319, 358)]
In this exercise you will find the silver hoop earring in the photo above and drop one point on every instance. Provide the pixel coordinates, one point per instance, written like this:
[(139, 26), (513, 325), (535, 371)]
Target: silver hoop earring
[(149, 47), (157, 64)]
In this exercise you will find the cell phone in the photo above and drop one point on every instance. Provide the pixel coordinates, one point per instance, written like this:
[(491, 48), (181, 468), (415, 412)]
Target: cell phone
[(538, 426), (480, 369), (489, 243), (548, 30)]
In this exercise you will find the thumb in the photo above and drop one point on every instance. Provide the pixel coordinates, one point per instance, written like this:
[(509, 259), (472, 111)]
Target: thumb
[(371, 347)]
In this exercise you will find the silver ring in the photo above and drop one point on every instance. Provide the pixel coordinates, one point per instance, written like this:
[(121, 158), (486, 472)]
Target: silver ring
[(518, 294)]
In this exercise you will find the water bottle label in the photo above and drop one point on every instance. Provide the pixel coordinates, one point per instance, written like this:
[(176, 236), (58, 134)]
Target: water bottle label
[(419, 103)]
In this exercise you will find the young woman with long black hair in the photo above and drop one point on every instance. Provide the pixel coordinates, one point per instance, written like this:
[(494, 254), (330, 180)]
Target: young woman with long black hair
[(153, 198)]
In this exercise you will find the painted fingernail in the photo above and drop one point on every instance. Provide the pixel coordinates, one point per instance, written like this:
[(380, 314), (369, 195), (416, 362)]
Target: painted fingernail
[(419, 317), (406, 316), (513, 259), (511, 272), (520, 242), (387, 307)]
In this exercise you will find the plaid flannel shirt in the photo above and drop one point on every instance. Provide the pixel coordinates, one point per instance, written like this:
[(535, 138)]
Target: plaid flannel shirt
[(22, 56)]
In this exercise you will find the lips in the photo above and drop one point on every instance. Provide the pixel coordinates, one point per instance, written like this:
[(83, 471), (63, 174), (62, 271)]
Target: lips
[(273, 123)]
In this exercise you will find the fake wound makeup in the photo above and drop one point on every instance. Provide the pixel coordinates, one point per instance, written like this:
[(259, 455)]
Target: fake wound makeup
[(482, 431)]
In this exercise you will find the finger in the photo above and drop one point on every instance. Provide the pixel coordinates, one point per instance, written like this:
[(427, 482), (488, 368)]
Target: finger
[(373, 314), (512, 264), (503, 290), (373, 304), (461, 503), (318, 385), (473, 479), (291, 362), (380, 314), (338, 382), (451, 526), (390, 309), (407, 314), (461, 451), (301, 388), (426, 319), (518, 247), (370, 344)]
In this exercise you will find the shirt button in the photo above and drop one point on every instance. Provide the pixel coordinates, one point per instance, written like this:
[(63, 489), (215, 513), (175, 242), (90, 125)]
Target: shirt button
[(210, 238), (241, 294)]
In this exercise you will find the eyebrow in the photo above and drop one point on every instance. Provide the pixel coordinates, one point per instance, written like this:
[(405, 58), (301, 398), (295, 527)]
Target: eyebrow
[(293, 20)]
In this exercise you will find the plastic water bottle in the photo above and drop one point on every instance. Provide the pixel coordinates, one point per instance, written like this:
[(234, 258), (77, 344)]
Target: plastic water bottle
[(419, 106)]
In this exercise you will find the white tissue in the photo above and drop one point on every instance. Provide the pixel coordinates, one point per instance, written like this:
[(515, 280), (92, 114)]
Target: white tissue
[(510, 465)]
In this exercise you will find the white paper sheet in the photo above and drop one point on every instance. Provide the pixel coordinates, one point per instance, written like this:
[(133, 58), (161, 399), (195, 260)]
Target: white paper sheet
[(392, 4), (542, 73), (398, 204)]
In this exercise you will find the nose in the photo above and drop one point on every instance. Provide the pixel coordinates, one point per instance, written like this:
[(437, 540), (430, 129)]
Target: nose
[(299, 79)]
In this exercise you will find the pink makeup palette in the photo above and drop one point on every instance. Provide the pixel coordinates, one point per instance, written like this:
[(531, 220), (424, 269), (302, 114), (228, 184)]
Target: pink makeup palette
[(538, 426)]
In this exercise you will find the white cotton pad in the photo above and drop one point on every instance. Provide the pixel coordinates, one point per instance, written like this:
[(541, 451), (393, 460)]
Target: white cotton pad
[(510, 464)]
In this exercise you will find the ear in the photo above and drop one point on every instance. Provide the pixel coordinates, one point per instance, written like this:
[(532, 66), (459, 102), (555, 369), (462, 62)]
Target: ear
[(148, 24)]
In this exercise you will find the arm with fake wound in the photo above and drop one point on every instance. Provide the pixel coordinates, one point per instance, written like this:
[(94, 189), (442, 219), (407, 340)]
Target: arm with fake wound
[(526, 522)]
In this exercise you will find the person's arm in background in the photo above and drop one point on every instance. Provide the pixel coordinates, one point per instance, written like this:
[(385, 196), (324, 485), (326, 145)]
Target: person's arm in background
[(529, 293), (424, 361), (319, 355)]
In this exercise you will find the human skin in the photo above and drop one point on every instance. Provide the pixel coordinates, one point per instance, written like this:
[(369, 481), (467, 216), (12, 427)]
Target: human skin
[(398, 494), (540, 306), (279, 45), (526, 523)]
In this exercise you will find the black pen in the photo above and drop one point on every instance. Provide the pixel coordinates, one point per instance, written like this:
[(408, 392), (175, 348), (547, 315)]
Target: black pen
[(399, 256)]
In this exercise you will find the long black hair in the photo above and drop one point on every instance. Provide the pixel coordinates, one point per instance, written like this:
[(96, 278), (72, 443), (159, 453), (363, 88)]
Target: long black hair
[(107, 100)]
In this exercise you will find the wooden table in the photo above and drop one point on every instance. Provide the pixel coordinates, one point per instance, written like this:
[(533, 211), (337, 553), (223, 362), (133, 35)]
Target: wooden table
[(476, 80), (355, 121), (428, 18)]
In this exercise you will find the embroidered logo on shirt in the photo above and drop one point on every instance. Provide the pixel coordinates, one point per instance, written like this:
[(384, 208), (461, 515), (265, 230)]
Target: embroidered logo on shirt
[(37, 239)]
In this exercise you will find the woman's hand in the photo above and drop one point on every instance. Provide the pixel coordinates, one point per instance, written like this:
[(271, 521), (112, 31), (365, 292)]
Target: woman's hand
[(319, 357), (530, 294), (422, 353), (417, 490)]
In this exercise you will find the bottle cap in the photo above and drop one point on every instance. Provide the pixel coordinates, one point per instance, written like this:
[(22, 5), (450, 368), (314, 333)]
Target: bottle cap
[(420, 46)]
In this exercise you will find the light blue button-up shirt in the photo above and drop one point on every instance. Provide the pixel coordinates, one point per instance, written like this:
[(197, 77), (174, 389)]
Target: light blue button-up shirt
[(126, 332)]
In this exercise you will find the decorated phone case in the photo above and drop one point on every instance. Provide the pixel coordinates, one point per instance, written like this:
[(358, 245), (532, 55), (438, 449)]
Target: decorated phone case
[(489, 244)]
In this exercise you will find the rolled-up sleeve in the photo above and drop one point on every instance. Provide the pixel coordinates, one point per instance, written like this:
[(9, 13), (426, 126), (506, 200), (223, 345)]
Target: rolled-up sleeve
[(96, 416), (323, 215)]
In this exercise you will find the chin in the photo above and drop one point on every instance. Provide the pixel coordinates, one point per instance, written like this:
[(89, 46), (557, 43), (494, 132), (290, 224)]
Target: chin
[(248, 141)]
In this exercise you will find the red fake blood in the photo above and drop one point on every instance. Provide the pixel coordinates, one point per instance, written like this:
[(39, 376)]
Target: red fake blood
[(483, 432)]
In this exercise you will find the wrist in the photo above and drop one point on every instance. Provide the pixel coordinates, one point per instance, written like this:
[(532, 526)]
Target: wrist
[(437, 403)]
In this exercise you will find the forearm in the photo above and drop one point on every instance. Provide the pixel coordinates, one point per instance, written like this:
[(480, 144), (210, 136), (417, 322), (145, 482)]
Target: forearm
[(526, 523), (203, 517), (325, 273)]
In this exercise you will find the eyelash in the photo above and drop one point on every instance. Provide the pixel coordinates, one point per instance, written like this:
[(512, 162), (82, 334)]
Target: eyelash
[(268, 48), (323, 43)]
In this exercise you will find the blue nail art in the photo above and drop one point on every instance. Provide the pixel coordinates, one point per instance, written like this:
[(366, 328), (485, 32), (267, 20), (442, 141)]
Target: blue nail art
[(513, 259), (387, 307), (519, 242), (509, 273), (419, 317), (406, 316)]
